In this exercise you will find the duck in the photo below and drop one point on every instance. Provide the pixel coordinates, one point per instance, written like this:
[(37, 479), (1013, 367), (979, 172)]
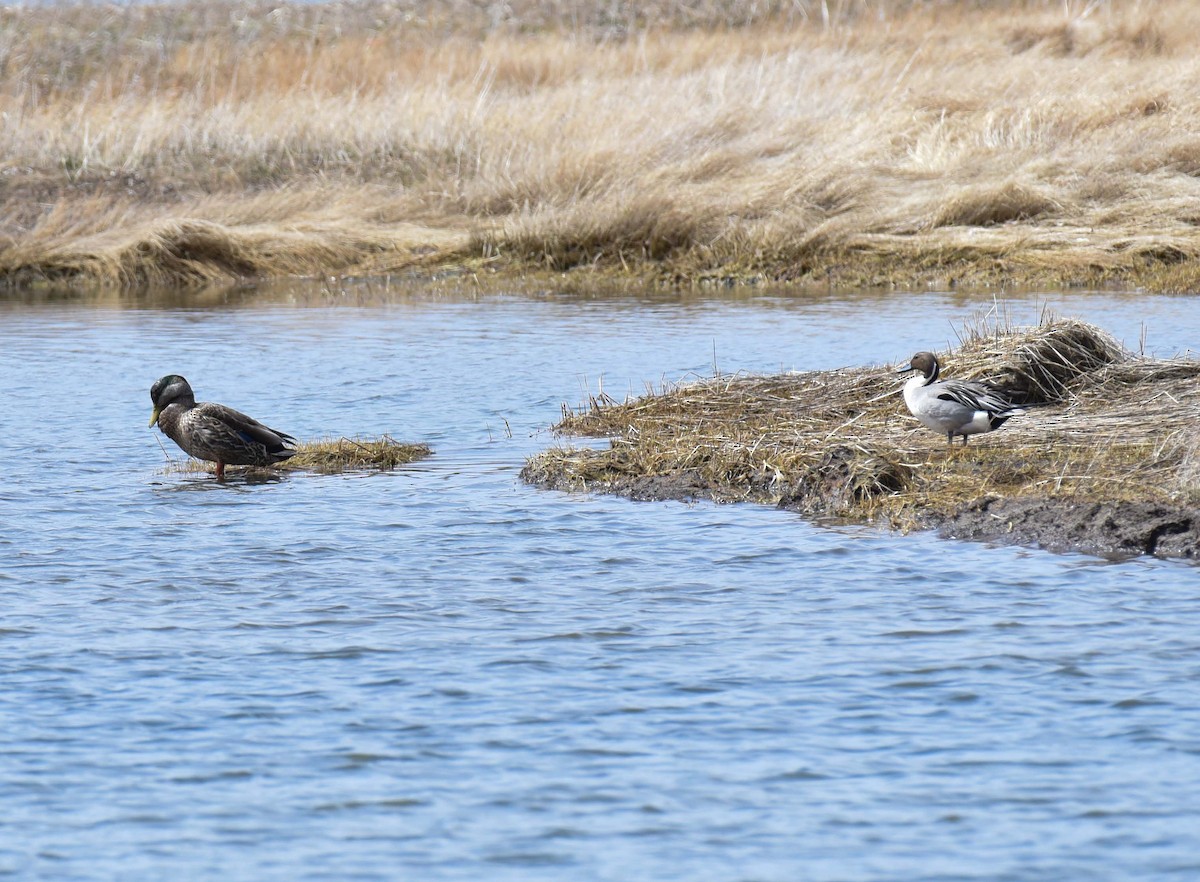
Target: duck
[(214, 432), (956, 407)]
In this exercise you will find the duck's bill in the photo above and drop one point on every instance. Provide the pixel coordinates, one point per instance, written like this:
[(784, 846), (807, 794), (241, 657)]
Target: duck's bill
[(153, 418), (905, 368)]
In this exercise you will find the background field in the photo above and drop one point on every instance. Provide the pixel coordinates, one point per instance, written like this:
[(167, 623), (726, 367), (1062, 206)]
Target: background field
[(855, 142)]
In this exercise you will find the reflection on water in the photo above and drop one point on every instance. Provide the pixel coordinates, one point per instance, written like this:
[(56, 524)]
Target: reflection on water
[(235, 480), (440, 673)]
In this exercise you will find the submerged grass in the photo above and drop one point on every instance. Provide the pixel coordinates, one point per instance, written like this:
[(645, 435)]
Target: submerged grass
[(334, 455), (857, 142), (1103, 425)]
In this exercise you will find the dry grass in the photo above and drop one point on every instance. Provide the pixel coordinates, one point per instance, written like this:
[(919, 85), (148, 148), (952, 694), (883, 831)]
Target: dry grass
[(863, 142), (333, 455), (1103, 425), (330, 456)]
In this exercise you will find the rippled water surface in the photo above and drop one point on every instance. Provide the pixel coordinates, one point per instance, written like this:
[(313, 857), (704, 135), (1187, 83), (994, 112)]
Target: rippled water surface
[(440, 673)]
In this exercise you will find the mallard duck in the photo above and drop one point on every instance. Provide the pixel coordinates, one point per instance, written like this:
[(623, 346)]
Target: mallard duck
[(956, 407), (214, 432)]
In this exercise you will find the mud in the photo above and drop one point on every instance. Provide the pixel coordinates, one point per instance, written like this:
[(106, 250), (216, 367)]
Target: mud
[(1106, 529), (1114, 529)]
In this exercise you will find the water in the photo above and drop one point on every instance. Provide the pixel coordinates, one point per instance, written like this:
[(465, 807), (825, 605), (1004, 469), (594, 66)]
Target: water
[(440, 673)]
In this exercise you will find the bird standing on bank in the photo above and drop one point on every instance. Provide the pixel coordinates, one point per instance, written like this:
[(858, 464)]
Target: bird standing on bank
[(214, 432), (956, 407)]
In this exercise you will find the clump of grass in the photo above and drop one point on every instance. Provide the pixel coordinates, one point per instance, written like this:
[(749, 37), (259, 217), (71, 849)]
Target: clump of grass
[(277, 234), (334, 455), (992, 205), (355, 454), (1037, 365), (1108, 426)]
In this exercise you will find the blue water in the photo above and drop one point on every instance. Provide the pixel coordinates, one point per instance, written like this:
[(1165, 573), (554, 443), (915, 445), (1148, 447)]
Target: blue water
[(439, 673)]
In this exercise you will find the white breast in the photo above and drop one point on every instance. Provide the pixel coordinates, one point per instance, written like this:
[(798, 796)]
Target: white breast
[(939, 414)]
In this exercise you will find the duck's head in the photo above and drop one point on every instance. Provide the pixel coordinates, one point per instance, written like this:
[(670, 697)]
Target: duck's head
[(924, 362), (171, 389)]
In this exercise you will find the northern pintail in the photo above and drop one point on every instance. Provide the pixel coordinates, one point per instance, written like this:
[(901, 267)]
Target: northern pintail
[(956, 407)]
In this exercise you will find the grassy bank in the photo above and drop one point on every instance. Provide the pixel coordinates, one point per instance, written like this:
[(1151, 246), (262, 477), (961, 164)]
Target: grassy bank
[(1103, 427), (855, 142)]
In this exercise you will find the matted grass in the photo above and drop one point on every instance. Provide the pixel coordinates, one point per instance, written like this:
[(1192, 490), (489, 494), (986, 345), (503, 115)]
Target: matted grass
[(332, 456), (857, 142), (1103, 425), (355, 454)]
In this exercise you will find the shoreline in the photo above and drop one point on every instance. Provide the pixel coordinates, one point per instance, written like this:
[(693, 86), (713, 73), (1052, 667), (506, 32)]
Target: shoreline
[(192, 258), (1105, 529)]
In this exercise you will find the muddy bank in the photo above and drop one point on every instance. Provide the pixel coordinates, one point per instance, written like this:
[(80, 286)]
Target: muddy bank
[(1111, 529), (1106, 528), (1105, 461)]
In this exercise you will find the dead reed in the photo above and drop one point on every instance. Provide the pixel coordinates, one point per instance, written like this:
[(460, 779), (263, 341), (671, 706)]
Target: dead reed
[(1103, 425), (859, 142)]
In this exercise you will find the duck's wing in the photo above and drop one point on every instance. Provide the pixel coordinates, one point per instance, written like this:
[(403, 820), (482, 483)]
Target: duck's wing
[(976, 396), (222, 428)]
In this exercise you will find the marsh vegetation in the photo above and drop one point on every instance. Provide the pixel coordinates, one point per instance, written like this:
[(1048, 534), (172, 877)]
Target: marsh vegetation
[(1108, 437), (333, 456), (851, 142)]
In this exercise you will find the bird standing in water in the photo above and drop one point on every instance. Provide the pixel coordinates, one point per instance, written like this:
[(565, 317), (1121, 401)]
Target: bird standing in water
[(214, 432), (956, 407)]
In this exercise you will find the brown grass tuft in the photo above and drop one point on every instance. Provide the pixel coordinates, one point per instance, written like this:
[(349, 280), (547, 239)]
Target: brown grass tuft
[(335, 455), (1040, 365), (989, 205)]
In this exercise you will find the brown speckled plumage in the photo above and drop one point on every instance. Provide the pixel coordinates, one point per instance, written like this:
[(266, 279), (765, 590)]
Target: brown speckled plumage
[(214, 432)]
